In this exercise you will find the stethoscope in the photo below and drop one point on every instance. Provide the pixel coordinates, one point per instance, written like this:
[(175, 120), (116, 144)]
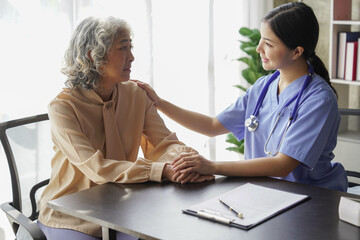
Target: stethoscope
[(252, 123)]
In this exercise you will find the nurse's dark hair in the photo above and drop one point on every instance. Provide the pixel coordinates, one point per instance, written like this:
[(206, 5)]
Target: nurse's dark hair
[(296, 25)]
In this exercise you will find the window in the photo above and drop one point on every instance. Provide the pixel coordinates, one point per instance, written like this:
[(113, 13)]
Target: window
[(186, 49)]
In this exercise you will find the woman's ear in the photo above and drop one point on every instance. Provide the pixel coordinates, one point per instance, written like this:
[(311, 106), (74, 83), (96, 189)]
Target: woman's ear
[(89, 56), (298, 52)]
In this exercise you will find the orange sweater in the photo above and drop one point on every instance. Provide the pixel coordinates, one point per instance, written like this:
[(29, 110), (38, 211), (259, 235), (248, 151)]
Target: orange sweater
[(96, 142)]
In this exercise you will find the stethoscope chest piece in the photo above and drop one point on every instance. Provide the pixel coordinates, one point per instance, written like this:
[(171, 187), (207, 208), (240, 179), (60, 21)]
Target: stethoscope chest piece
[(251, 123)]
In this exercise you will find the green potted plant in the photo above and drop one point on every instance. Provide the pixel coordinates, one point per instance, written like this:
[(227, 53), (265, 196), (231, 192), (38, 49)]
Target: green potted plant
[(253, 72)]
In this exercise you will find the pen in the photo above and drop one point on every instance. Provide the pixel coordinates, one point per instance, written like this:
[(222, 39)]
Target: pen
[(239, 214), (213, 216)]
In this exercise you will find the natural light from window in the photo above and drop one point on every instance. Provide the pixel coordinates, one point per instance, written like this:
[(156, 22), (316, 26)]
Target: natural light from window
[(171, 48)]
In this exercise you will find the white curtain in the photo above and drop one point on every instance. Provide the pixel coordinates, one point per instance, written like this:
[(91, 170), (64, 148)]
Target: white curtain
[(185, 49)]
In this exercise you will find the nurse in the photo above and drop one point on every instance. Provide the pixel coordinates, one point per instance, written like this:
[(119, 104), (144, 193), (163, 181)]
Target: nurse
[(289, 120)]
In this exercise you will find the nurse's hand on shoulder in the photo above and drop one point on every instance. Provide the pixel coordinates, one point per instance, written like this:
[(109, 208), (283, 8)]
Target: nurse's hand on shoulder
[(186, 163), (149, 91)]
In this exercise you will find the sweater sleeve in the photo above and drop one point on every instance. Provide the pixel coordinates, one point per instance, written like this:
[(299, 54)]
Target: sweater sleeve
[(158, 143)]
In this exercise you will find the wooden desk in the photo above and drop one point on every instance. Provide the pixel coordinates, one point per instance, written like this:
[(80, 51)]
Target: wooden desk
[(153, 211)]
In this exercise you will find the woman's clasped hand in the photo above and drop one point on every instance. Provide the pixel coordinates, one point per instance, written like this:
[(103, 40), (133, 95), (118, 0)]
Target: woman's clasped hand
[(185, 165), (178, 172)]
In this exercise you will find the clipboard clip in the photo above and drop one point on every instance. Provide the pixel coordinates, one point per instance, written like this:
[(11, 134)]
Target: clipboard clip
[(213, 216)]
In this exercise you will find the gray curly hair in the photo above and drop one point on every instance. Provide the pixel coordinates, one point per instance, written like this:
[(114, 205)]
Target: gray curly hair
[(93, 35)]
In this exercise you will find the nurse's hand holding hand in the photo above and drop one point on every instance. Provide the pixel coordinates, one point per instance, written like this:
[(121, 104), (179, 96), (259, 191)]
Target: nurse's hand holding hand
[(186, 163), (183, 178), (278, 166)]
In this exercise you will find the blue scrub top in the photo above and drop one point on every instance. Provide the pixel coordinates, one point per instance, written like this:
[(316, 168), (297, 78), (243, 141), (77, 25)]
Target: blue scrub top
[(311, 137)]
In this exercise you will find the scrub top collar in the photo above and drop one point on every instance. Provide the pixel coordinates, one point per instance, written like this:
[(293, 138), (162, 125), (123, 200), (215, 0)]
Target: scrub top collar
[(291, 90)]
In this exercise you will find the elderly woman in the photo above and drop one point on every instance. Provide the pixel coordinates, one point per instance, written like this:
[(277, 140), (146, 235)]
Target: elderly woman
[(98, 123)]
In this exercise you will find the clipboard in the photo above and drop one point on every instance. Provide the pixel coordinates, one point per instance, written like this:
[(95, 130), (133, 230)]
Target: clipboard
[(256, 203)]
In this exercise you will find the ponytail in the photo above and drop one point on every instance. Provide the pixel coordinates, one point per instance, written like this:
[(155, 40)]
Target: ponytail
[(320, 69)]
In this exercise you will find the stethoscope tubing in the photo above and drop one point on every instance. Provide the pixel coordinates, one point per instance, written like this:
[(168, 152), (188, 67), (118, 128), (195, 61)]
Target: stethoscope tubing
[(263, 93), (252, 127), (282, 137)]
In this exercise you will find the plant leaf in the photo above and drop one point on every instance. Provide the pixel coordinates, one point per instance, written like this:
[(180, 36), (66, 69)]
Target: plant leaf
[(239, 148), (234, 149), (246, 44), (249, 75), (246, 60), (250, 50), (230, 138), (241, 87), (255, 36), (245, 31)]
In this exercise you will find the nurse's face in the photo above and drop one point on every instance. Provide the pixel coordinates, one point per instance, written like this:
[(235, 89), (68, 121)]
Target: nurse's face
[(117, 67), (273, 52)]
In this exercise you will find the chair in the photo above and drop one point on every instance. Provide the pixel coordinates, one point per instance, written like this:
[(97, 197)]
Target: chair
[(22, 140), (354, 187)]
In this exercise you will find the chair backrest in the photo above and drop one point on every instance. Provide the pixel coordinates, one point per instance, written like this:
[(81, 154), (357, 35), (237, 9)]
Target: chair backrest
[(27, 146), (350, 126)]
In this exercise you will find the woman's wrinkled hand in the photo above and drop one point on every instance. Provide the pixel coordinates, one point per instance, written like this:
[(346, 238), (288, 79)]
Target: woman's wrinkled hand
[(192, 177), (183, 178)]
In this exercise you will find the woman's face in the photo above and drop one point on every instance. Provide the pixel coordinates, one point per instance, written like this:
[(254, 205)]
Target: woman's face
[(273, 52), (117, 67)]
